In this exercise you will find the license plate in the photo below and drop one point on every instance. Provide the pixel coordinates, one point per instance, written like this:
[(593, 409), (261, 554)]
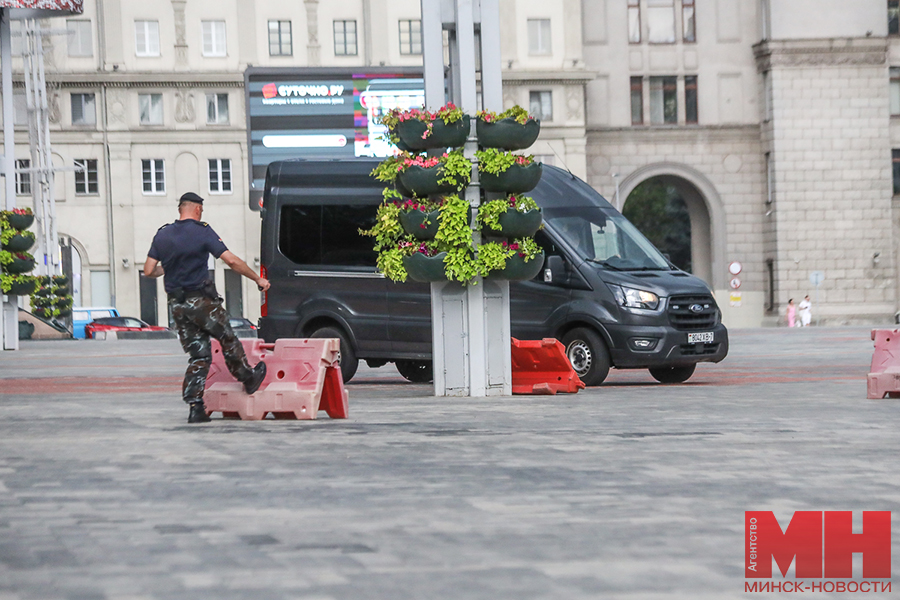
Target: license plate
[(700, 338)]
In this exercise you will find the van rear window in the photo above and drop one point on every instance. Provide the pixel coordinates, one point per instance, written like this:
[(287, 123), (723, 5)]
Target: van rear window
[(327, 235)]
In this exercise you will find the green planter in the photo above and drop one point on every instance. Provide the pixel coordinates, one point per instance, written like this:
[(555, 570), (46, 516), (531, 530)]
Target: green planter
[(507, 134), (519, 270), (21, 288), (42, 301), (63, 290), (424, 182), (451, 135), (517, 179), (44, 313), (43, 291), (425, 269), (65, 311), (20, 221), (421, 225), (19, 243), (60, 280), (515, 224), (19, 265)]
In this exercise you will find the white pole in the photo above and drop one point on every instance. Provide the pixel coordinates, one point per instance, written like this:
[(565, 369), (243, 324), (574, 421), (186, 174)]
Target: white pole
[(9, 323)]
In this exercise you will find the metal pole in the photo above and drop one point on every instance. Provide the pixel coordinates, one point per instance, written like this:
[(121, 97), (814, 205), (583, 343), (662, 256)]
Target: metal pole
[(9, 323)]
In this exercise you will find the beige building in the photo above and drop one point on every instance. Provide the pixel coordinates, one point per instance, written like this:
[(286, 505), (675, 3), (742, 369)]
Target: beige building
[(773, 118)]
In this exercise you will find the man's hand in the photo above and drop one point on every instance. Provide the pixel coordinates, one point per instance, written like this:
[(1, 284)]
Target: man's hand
[(263, 284), (153, 268)]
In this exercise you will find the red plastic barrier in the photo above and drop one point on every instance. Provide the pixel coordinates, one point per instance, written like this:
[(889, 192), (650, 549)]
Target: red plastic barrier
[(541, 367), (884, 376), (301, 379)]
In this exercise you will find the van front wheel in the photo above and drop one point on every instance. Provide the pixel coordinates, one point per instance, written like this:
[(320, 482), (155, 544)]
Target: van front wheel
[(672, 374), (347, 357), (416, 371), (587, 352)]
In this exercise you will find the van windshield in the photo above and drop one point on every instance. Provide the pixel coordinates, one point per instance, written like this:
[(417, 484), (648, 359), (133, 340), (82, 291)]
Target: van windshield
[(605, 237)]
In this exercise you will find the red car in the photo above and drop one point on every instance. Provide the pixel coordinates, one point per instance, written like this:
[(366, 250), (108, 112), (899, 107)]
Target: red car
[(119, 324)]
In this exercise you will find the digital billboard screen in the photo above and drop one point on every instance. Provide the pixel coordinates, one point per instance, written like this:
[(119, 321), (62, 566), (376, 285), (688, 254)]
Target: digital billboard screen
[(322, 113)]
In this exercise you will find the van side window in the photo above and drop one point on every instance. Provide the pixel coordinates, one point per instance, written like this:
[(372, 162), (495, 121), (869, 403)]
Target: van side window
[(327, 235)]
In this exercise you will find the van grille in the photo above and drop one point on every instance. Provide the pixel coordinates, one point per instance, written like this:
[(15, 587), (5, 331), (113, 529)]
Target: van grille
[(682, 317), (699, 349)]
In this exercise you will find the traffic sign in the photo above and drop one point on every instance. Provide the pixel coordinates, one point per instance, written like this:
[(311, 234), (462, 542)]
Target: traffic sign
[(817, 277)]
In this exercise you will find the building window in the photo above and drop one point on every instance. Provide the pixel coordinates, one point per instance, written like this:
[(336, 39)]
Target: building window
[(690, 99), (345, 38), (220, 175), (150, 107), (688, 26), (411, 36), (217, 109), (86, 176), (154, 175), (23, 177), (539, 36), (663, 100), (661, 21), (79, 39), (893, 17), (541, 105), (146, 38), (634, 21), (213, 38), (280, 38), (84, 111), (895, 90), (895, 158), (637, 101)]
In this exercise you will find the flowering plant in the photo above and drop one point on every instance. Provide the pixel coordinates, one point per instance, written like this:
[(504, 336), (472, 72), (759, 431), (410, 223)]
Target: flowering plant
[(449, 113), (518, 113), (489, 212), (496, 161), (7, 280)]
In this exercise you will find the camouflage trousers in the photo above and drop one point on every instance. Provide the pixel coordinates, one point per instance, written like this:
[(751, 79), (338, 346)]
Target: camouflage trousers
[(197, 320)]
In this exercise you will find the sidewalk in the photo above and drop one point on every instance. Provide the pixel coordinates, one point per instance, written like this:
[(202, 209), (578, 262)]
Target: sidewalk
[(632, 490)]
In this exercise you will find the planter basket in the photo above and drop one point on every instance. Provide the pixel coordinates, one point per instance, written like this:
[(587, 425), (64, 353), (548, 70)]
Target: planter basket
[(420, 225), (424, 182), (19, 266), (507, 134), (425, 268), (19, 243), (451, 135), (42, 301), (21, 288), (61, 280), (517, 179), (65, 312), (44, 313), (519, 270), (62, 290), (515, 224), (20, 222), (43, 291)]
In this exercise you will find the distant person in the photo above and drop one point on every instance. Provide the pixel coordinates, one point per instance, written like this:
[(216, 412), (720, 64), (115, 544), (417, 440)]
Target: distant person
[(805, 308), (791, 313), (180, 251)]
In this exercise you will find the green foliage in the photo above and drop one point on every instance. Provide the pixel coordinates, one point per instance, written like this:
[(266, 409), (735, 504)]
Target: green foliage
[(496, 161), (489, 212), (387, 230), (659, 212), (8, 232), (8, 279), (388, 169), (518, 113), (455, 169), (492, 256), (527, 248), (6, 257), (459, 265)]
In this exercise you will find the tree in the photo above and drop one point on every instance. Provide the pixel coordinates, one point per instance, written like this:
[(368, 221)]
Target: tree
[(661, 214)]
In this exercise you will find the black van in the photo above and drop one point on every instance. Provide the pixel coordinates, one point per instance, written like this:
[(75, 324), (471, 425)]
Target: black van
[(605, 291)]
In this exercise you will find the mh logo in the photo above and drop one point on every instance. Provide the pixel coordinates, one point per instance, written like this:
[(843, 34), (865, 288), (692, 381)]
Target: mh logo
[(822, 542)]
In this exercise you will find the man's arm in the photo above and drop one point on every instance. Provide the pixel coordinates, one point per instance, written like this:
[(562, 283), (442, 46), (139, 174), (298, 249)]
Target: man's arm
[(153, 268), (239, 266)]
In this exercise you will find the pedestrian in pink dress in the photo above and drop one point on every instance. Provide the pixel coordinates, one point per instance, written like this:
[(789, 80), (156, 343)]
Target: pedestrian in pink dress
[(791, 313)]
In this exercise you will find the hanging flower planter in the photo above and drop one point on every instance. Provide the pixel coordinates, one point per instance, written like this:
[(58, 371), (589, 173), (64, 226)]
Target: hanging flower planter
[(516, 179), (20, 265), (60, 280), (22, 287), (515, 224), (415, 133), (507, 133), (42, 312), (424, 268), (42, 301), (19, 220), (518, 269), (64, 312), (62, 290), (421, 225), (19, 243)]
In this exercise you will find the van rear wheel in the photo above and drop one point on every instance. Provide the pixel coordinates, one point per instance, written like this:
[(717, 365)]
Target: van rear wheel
[(416, 371), (347, 357), (672, 374), (587, 352)]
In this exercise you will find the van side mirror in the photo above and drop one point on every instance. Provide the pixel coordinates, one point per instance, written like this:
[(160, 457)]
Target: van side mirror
[(555, 270)]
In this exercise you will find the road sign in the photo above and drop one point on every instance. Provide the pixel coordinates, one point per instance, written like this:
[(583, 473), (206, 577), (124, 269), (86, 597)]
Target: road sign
[(817, 277), (735, 268), (735, 283)]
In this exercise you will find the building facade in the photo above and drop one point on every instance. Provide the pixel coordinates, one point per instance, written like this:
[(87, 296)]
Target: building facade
[(774, 119)]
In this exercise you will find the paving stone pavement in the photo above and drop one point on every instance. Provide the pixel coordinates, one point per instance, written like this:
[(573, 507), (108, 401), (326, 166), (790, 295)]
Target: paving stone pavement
[(631, 490)]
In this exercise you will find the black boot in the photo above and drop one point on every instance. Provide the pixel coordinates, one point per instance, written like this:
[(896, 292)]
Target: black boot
[(198, 413), (256, 378)]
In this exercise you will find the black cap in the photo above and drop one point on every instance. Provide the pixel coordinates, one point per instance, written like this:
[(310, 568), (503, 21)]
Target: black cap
[(190, 197)]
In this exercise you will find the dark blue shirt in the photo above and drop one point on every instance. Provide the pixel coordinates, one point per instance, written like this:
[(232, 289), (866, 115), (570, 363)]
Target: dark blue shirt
[(183, 248)]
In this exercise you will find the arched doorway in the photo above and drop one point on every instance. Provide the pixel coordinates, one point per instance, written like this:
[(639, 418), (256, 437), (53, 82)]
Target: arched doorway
[(680, 211)]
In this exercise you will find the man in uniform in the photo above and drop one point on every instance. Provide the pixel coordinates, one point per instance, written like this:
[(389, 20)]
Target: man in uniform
[(180, 251)]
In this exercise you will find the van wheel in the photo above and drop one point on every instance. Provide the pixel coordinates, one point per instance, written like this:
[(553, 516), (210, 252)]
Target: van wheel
[(673, 374), (416, 371), (346, 358), (587, 352)]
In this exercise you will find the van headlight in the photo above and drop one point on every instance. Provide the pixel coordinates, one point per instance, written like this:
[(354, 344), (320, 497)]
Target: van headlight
[(632, 298)]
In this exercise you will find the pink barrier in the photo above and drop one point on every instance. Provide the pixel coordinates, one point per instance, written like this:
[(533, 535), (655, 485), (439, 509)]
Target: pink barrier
[(301, 379), (884, 376), (541, 367)]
